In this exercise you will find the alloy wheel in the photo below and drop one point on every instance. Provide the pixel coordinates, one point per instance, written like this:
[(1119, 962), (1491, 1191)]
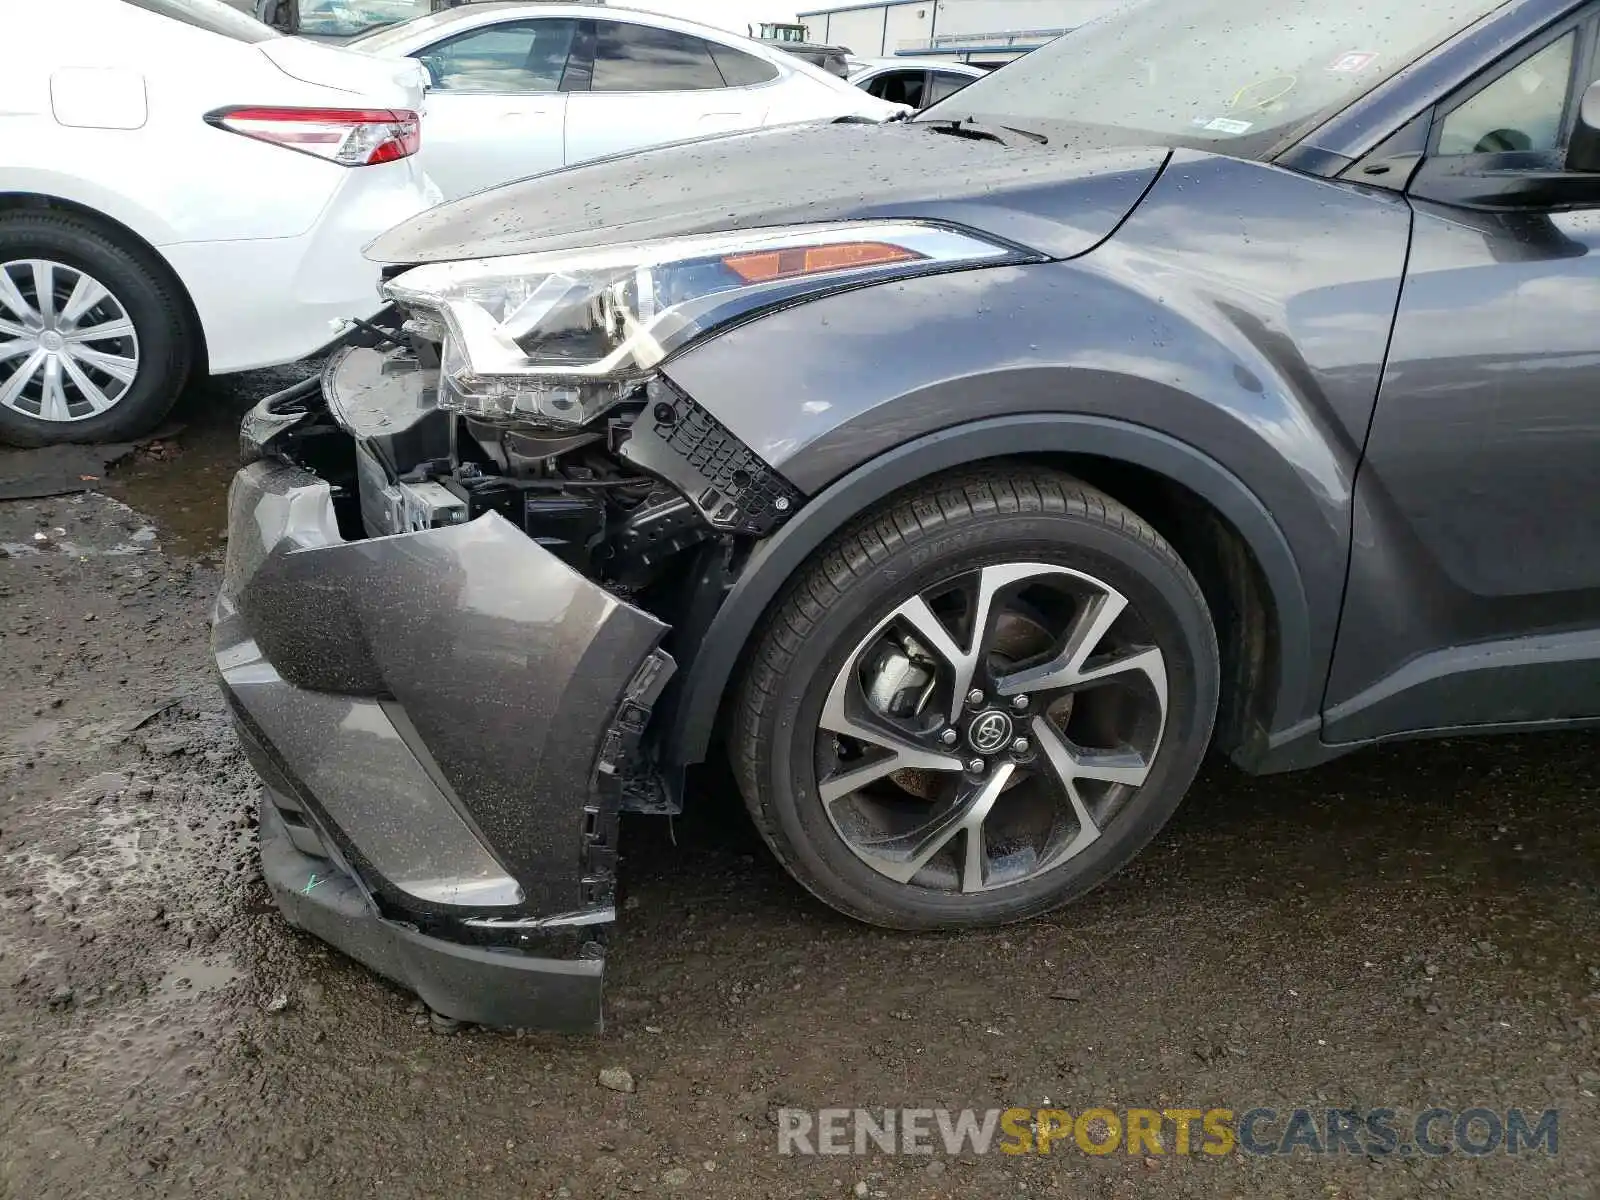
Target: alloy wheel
[(68, 348), (991, 728)]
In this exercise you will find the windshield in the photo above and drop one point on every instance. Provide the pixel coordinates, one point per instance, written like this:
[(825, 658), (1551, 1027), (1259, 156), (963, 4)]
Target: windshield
[(345, 18), (1212, 73)]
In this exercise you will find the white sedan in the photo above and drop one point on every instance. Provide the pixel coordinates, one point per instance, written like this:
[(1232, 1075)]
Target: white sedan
[(180, 189), (912, 83), (518, 89)]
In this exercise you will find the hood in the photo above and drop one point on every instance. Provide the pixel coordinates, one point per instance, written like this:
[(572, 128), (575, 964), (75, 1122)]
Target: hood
[(375, 82), (1054, 199)]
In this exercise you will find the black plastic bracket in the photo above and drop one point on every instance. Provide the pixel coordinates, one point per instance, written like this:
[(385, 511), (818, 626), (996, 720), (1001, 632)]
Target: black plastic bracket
[(735, 491), (616, 771)]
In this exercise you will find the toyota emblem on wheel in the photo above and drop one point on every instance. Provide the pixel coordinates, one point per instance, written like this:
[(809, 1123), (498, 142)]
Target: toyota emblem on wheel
[(989, 731)]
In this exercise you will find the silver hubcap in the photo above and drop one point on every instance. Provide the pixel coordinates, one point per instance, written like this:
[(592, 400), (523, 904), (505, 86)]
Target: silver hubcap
[(1057, 697), (68, 349)]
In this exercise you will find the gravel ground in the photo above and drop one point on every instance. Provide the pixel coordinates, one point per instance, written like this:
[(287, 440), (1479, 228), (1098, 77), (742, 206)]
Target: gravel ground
[(1404, 928)]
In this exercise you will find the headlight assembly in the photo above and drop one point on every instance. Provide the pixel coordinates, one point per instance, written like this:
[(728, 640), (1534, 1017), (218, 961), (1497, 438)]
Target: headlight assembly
[(556, 339)]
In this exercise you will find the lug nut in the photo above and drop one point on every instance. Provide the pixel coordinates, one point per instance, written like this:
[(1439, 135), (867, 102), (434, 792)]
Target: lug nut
[(949, 737), (975, 765), (1021, 746), (1019, 702), (975, 698)]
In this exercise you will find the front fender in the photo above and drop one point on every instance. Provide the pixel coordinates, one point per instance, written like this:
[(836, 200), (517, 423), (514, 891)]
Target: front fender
[(1241, 308), (1230, 335)]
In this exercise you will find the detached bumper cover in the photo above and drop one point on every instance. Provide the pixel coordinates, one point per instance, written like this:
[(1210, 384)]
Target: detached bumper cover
[(442, 720)]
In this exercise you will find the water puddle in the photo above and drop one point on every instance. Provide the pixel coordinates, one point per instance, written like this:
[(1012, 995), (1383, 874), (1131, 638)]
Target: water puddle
[(171, 487), (185, 490), (181, 482), (141, 541), (112, 846), (195, 976)]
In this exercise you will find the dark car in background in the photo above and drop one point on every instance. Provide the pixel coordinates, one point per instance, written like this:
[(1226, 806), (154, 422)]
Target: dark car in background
[(833, 59), (1210, 378)]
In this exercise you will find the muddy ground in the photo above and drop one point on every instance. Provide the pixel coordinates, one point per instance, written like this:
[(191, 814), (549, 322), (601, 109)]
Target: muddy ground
[(1408, 927)]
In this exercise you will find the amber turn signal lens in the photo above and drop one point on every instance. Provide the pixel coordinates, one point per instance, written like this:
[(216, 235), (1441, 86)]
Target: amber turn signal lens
[(764, 266)]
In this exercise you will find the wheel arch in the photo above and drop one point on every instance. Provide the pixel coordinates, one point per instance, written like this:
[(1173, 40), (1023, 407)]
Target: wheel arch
[(1230, 540), (124, 234)]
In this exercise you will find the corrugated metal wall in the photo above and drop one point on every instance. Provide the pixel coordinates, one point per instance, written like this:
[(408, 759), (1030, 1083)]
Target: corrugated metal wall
[(860, 29), (907, 22)]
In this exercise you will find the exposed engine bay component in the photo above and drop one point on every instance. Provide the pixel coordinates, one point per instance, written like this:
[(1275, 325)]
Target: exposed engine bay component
[(569, 526), (618, 500), (509, 447), (401, 507)]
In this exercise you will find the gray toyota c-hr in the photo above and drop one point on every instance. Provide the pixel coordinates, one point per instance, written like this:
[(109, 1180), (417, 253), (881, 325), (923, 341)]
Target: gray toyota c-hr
[(1212, 377)]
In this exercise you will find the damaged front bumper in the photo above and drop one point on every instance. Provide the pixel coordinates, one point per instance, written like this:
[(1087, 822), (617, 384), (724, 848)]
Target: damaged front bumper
[(443, 721)]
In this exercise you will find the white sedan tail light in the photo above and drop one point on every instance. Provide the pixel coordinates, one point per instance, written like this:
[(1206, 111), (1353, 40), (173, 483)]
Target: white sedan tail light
[(351, 137)]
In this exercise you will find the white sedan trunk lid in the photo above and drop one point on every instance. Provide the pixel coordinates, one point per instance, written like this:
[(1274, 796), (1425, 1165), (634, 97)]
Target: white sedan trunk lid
[(375, 82)]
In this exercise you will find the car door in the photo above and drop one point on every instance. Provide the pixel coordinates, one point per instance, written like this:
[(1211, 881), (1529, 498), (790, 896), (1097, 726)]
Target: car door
[(1477, 527), (650, 85), (496, 111)]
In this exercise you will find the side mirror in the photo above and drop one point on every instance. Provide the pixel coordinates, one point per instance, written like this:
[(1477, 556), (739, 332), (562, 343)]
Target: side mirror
[(1583, 155)]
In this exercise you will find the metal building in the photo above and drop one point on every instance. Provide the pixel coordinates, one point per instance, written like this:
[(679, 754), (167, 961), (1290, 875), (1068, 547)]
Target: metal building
[(988, 32)]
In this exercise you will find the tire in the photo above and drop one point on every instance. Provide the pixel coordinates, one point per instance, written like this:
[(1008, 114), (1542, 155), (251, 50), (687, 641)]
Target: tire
[(972, 535), (132, 380)]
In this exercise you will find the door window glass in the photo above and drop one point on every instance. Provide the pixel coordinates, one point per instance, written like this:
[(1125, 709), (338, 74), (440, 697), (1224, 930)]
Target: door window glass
[(1520, 111), (946, 83), (641, 58), (513, 58)]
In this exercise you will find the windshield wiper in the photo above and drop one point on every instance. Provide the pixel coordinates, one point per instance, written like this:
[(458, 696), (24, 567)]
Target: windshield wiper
[(1027, 133), (966, 127), (963, 127)]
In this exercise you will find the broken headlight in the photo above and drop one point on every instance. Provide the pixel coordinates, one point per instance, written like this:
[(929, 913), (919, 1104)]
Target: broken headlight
[(558, 338)]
